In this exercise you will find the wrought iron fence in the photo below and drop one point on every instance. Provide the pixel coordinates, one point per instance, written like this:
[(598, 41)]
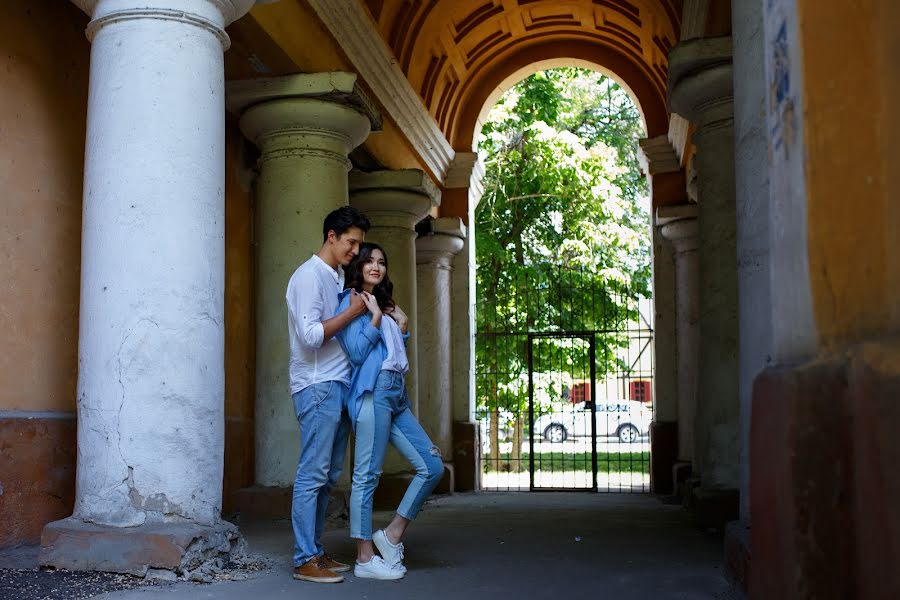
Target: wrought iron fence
[(564, 380)]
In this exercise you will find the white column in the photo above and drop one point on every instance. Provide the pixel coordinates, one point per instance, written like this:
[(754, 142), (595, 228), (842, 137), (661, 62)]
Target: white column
[(700, 77), (151, 338), (682, 233), (395, 201), (434, 264), (151, 379), (304, 134), (752, 208)]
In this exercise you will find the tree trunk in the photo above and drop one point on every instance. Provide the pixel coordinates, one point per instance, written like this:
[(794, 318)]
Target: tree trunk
[(494, 430), (516, 454)]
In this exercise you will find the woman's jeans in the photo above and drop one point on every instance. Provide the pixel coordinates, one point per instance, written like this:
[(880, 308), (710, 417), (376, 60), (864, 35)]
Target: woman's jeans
[(324, 428), (384, 415)]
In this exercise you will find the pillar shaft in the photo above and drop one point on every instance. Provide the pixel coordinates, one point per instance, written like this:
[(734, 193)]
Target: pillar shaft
[(683, 235), (151, 380), (395, 201), (701, 89), (151, 338), (434, 258), (304, 144)]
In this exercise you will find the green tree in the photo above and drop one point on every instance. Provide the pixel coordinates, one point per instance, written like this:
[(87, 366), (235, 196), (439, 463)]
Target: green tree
[(561, 214)]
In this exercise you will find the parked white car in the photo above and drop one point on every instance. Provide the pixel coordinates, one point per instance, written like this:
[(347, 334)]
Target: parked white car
[(626, 419)]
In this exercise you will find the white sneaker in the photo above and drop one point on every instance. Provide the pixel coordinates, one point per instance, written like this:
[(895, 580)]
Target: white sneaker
[(392, 553), (377, 569)]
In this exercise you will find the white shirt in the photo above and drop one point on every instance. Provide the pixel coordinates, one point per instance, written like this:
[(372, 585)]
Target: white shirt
[(312, 297), (396, 350)]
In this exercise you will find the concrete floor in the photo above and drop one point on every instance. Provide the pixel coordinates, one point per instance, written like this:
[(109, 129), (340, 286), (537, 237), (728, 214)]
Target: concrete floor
[(504, 545)]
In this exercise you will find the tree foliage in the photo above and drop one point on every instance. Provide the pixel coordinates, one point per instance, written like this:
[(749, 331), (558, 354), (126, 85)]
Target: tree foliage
[(562, 230)]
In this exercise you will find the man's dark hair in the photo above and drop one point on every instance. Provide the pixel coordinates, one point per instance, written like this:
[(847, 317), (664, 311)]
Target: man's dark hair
[(342, 219)]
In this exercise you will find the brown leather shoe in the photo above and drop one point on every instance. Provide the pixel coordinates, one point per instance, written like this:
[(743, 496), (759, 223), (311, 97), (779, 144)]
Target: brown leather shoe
[(312, 571), (326, 561)]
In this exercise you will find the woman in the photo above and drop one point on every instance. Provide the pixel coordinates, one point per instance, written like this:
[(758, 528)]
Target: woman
[(379, 410)]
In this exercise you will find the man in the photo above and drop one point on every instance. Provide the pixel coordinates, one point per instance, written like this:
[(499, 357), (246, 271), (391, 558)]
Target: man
[(320, 376)]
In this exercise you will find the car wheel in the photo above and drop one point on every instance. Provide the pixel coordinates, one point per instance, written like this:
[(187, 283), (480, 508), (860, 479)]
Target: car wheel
[(628, 434), (555, 433)]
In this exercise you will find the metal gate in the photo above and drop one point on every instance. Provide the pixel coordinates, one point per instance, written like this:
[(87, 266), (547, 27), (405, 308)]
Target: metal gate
[(565, 392)]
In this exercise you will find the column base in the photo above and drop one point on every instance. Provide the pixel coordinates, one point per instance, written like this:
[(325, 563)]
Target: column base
[(179, 547), (687, 482), (663, 454), (681, 472), (737, 556), (390, 490), (447, 483), (466, 455), (269, 502), (824, 481), (392, 487), (713, 509)]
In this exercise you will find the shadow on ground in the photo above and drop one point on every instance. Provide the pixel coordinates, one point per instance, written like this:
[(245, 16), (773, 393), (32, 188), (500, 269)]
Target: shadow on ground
[(499, 545)]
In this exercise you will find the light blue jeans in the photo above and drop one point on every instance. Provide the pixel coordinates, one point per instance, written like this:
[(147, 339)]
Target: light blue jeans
[(385, 416), (324, 428)]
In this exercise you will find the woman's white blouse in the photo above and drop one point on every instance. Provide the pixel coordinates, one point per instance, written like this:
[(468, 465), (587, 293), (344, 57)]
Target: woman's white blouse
[(396, 349)]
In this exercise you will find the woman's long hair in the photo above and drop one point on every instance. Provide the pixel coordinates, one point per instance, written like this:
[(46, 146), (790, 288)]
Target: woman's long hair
[(383, 292)]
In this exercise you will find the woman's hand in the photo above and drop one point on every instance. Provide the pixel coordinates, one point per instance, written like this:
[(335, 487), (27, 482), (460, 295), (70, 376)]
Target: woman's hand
[(400, 317), (372, 304)]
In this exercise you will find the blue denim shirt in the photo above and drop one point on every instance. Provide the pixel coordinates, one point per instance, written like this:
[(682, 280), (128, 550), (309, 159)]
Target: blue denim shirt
[(366, 348)]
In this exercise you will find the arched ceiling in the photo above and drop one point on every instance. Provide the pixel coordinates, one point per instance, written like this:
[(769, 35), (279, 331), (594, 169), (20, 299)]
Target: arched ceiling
[(456, 52)]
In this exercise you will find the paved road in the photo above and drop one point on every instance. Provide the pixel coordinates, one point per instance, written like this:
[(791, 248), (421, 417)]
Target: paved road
[(583, 444)]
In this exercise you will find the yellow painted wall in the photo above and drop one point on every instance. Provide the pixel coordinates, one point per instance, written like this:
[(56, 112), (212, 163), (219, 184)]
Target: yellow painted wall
[(44, 62), (851, 91)]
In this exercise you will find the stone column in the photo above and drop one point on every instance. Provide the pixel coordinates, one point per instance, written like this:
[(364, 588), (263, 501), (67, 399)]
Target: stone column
[(464, 182), (305, 126), (395, 201), (151, 336), (666, 177), (434, 264), (700, 88), (683, 235)]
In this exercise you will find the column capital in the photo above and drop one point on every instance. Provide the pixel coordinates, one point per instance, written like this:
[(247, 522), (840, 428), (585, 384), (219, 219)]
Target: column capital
[(679, 225), (338, 87), (394, 198), (322, 114), (700, 80), (212, 15), (440, 247)]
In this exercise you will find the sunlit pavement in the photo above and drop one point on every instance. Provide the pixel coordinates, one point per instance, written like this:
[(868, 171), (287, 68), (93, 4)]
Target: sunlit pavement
[(606, 482)]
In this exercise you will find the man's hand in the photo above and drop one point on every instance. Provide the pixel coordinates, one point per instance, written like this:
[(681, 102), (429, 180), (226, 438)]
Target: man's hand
[(357, 304), (343, 318), (400, 317)]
